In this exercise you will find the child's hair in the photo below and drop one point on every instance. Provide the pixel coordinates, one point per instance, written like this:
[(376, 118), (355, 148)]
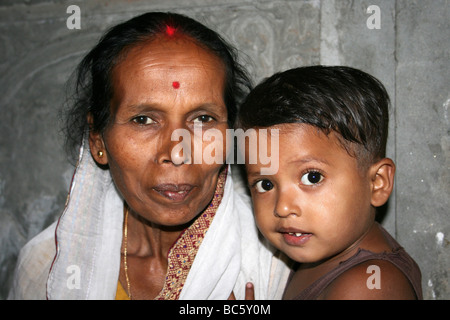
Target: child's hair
[(342, 99)]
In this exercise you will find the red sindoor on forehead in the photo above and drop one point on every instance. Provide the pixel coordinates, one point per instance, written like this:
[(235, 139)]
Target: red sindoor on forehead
[(170, 31), (175, 84)]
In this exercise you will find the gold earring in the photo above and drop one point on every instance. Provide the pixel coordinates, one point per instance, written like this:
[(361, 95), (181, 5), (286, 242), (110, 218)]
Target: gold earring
[(100, 154)]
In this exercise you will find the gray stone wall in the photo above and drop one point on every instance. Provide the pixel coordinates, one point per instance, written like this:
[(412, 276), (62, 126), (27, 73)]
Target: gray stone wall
[(407, 49)]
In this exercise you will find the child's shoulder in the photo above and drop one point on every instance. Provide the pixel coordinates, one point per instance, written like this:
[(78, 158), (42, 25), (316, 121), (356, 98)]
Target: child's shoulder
[(370, 280)]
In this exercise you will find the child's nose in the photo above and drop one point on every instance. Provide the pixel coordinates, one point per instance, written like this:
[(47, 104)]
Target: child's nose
[(286, 205)]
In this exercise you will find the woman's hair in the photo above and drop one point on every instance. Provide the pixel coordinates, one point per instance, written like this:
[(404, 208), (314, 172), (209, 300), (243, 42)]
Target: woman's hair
[(93, 85), (341, 99)]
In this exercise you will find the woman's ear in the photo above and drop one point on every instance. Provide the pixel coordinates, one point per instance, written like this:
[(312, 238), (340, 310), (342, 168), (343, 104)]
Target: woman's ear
[(96, 143), (382, 179)]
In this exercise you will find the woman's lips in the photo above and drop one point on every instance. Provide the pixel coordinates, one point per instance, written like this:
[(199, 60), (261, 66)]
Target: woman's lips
[(295, 237), (174, 192)]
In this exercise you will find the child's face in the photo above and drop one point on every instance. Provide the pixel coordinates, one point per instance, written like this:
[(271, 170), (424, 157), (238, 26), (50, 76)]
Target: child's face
[(318, 204)]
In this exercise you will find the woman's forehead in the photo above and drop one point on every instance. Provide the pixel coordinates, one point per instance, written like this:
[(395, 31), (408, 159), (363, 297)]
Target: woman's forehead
[(169, 51), (164, 70)]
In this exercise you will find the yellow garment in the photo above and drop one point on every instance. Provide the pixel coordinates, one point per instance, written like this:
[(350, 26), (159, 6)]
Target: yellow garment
[(120, 293)]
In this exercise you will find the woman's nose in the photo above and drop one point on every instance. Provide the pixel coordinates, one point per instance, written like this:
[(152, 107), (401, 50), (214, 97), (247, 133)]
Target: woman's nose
[(287, 205), (175, 147)]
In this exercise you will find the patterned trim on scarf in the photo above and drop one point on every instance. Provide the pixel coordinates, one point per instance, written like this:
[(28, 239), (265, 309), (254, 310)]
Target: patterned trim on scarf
[(183, 252)]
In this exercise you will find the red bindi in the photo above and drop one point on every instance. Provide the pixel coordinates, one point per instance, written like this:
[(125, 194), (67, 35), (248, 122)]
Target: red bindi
[(175, 84)]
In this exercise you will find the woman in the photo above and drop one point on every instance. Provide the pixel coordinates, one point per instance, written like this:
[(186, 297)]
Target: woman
[(142, 220)]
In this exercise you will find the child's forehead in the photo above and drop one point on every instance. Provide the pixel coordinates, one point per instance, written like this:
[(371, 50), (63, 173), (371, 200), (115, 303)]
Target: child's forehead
[(301, 130), (296, 136), (300, 142)]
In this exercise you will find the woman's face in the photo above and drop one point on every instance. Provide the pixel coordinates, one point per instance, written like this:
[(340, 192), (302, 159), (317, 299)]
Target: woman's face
[(167, 85)]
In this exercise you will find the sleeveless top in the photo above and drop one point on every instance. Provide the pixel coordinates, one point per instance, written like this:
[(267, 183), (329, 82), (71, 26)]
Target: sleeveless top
[(398, 257)]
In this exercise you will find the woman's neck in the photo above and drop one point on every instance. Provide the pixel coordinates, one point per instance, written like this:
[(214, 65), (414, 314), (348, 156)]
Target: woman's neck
[(147, 239)]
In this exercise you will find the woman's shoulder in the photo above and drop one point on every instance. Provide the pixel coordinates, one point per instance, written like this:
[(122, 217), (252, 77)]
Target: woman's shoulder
[(33, 265), (43, 244)]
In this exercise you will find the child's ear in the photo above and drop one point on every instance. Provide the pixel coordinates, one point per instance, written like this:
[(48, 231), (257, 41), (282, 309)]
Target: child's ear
[(96, 144), (382, 179)]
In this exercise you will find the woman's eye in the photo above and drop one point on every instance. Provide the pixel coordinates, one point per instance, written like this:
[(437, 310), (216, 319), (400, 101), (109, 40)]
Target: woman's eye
[(143, 120), (263, 186), (203, 118), (311, 178)]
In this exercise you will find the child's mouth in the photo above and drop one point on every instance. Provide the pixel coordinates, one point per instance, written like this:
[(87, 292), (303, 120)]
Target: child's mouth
[(297, 234), (296, 238)]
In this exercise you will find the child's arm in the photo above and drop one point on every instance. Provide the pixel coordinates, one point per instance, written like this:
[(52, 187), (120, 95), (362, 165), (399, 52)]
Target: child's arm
[(371, 280)]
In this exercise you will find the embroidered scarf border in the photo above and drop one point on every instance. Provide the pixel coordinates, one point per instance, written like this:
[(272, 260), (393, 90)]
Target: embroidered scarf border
[(182, 254)]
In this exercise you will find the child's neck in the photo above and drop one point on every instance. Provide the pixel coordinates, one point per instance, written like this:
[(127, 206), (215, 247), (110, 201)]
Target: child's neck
[(307, 273)]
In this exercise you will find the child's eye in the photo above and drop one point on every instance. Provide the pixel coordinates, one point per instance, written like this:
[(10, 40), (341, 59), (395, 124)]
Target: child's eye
[(311, 178), (263, 186), (203, 118), (143, 120)]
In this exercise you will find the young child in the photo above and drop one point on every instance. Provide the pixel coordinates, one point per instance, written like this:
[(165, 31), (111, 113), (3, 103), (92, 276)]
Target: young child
[(319, 208)]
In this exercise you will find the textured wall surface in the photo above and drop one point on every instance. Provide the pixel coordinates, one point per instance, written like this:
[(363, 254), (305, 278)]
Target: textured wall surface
[(408, 51)]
